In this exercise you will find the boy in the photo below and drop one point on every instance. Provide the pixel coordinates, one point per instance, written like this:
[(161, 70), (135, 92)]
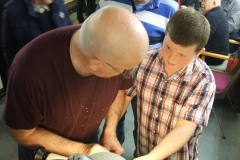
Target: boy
[(175, 91)]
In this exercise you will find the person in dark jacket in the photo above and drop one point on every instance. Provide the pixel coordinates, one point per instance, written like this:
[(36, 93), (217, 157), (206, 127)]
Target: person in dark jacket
[(23, 20), (3, 66), (218, 41)]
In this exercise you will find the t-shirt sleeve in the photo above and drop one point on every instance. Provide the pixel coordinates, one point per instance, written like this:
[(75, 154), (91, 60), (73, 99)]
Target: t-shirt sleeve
[(21, 102), (125, 83), (198, 106)]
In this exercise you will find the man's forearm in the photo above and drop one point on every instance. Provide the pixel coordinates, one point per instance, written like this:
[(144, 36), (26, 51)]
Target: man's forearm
[(51, 141), (116, 111)]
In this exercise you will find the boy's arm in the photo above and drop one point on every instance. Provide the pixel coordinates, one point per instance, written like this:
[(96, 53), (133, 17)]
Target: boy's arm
[(184, 129), (173, 141), (118, 108)]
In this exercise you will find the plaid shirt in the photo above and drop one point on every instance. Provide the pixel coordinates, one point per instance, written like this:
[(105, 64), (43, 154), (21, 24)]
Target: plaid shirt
[(162, 100)]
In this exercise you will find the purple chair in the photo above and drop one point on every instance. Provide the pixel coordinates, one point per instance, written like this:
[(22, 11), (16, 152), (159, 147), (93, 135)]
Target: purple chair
[(224, 84)]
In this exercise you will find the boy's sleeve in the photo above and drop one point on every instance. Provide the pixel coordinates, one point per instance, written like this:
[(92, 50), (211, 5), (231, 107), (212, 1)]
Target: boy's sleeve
[(198, 106)]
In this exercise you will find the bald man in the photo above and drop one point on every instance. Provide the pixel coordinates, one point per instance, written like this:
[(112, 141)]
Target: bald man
[(63, 83)]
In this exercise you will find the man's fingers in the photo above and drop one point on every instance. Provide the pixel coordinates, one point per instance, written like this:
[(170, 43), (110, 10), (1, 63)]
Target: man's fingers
[(118, 151)]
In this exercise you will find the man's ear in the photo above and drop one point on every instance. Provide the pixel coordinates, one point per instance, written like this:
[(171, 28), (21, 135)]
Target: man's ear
[(200, 52), (94, 64)]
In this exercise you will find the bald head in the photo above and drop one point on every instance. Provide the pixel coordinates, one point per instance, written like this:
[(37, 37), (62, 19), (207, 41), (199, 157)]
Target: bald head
[(113, 33)]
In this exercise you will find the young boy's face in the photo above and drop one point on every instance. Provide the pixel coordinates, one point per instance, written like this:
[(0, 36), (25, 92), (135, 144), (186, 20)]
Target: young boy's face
[(175, 56)]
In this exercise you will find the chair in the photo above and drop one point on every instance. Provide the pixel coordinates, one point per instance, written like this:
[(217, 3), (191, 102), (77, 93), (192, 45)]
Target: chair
[(224, 81), (221, 67)]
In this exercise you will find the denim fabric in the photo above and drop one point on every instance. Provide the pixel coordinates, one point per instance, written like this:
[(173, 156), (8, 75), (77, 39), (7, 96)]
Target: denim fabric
[(120, 127), (24, 153), (134, 108)]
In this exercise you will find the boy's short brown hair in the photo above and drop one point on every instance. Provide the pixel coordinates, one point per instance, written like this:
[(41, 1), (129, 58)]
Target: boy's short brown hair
[(188, 27)]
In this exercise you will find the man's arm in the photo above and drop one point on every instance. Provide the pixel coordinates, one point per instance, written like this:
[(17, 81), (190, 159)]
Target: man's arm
[(172, 142), (54, 143), (116, 111), (233, 18)]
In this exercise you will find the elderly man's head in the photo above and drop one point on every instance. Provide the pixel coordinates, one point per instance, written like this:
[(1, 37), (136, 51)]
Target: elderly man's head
[(209, 4), (114, 39)]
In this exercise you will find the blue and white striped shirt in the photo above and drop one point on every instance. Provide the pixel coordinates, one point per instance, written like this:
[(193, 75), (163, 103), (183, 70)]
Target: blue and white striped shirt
[(154, 16)]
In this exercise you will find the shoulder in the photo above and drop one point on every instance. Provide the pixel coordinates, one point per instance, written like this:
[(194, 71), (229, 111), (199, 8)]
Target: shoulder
[(202, 71), (59, 2), (115, 2), (167, 3), (13, 4)]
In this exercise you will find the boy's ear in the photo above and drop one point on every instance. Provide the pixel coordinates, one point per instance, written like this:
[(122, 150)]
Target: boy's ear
[(200, 52), (94, 64)]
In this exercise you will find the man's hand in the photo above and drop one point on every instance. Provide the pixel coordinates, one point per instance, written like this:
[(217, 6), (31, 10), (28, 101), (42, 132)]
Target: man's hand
[(89, 149), (110, 141)]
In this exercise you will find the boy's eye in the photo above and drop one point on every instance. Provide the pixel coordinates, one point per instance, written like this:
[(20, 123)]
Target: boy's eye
[(182, 55)]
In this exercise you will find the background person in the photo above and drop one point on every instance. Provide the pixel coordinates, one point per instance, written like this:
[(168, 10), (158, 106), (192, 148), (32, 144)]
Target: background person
[(218, 41), (64, 82), (23, 20), (232, 10)]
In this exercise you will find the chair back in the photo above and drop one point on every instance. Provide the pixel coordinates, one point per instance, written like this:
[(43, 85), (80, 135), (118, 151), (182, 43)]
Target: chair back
[(232, 78)]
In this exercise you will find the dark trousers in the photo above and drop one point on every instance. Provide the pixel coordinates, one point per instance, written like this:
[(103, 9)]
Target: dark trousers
[(120, 127), (25, 153), (3, 71), (236, 97), (87, 6)]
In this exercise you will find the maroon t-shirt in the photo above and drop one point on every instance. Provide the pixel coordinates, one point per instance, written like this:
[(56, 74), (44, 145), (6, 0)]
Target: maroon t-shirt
[(45, 90)]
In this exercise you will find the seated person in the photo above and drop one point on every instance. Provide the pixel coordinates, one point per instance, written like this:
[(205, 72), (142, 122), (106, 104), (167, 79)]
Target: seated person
[(187, 3), (218, 41), (175, 91), (232, 10)]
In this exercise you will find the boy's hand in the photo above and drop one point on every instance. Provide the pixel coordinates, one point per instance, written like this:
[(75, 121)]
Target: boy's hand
[(146, 157), (142, 158)]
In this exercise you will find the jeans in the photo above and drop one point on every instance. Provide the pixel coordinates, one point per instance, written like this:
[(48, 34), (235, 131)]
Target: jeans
[(120, 127), (236, 97), (89, 6), (25, 153)]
